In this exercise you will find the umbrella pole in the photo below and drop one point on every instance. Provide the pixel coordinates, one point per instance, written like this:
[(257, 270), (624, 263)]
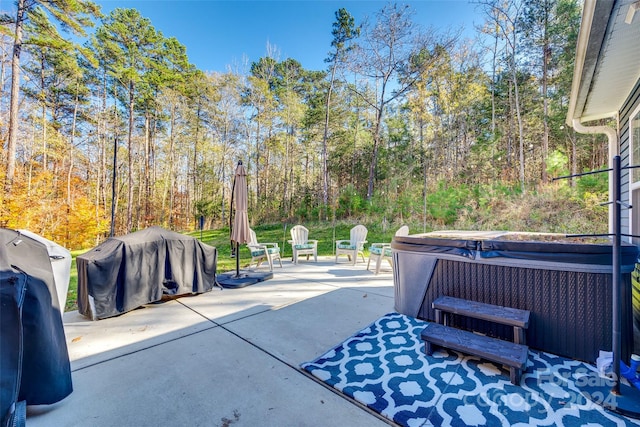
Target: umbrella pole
[(237, 260)]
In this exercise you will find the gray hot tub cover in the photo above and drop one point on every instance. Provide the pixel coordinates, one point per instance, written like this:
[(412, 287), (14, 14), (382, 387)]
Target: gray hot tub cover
[(126, 272)]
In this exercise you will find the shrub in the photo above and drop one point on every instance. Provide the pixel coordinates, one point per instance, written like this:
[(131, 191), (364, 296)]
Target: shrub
[(350, 203)]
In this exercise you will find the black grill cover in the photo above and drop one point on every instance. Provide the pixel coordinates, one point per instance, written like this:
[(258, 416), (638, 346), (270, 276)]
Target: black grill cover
[(37, 336), (126, 272)]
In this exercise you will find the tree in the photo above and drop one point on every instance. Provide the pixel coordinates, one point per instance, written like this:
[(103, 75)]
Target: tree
[(564, 32), (392, 47), (400, 107), (225, 122), (172, 74), (129, 40), (537, 21), (260, 96), (293, 85), (344, 30), (507, 16), (60, 70), (74, 16)]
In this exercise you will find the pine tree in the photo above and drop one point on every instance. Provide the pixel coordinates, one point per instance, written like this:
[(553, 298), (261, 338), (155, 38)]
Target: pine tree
[(73, 16)]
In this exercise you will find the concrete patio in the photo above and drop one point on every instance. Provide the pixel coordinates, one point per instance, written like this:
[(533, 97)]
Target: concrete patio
[(231, 357), (227, 357)]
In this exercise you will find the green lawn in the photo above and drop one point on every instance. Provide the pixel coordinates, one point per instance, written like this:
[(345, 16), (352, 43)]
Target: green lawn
[(325, 233)]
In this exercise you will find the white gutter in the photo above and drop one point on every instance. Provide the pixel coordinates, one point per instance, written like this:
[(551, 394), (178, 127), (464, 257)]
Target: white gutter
[(612, 136), (581, 52)]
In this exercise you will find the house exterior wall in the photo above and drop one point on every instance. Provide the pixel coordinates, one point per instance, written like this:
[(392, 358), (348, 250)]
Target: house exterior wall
[(628, 108)]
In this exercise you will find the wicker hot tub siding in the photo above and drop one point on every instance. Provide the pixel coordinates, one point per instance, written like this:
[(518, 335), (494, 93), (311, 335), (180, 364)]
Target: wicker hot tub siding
[(566, 286)]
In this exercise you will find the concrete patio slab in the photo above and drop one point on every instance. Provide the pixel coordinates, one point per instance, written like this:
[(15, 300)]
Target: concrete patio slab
[(226, 357), (304, 330), (90, 342), (211, 378)]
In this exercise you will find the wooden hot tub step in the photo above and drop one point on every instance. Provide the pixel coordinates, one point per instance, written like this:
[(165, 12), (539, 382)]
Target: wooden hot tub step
[(506, 353), (509, 316)]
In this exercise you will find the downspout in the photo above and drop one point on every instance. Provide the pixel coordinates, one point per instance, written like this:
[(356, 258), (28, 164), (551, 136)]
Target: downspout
[(612, 136)]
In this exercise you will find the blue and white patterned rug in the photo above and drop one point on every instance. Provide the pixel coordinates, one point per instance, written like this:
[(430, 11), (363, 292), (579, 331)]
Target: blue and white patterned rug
[(384, 367)]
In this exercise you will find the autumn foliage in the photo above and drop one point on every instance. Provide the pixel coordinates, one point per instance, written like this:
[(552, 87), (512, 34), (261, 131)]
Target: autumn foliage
[(39, 204)]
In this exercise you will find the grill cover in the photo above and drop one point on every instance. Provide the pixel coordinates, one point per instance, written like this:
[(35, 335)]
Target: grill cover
[(34, 336), (126, 272)]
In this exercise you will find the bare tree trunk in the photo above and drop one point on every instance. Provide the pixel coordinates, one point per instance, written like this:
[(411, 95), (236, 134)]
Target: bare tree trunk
[(102, 136), (115, 193), (172, 166), (425, 175), (520, 127), (72, 146), (15, 93), (147, 173), (374, 154), (140, 207), (493, 87), (510, 132), (4, 59), (44, 114), (32, 138), (130, 160), (355, 141), (194, 167), (325, 138), (152, 154), (257, 172), (546, 53)]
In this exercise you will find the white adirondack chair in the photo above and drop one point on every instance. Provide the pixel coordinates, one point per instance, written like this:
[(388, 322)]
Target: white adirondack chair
[(301, 245), (354, 246), (381, 251), (263, 251)]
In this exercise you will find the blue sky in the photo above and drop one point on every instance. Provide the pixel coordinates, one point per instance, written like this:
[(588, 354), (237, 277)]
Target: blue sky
[(218, 34)]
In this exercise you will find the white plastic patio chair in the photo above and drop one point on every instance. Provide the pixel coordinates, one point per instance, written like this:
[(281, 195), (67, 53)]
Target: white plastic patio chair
[(354, 246), (301, 245), (263, 251), (381, 251)]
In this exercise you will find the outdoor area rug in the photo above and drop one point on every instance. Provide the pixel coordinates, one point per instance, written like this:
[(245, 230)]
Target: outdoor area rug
[(384, 367)]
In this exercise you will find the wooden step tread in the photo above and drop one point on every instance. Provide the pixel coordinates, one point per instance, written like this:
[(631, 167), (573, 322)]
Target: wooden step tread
[(479, 310), (496, 350)]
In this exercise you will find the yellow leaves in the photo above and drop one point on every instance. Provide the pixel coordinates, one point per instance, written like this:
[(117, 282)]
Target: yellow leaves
[(38, 203), (84, 223)]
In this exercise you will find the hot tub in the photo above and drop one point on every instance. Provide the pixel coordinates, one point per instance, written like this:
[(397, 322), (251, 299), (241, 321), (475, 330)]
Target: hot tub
[(564, 282)]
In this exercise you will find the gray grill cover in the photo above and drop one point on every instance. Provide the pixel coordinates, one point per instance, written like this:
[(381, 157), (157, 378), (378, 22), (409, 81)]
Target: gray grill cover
[(126, 272), (45, 376)]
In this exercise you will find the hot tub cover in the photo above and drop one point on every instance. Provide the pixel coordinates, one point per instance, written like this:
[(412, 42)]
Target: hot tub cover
[(494, 245), (126, 272)]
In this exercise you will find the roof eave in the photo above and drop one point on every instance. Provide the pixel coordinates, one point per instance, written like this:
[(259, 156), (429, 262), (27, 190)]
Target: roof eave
[(590, 40)]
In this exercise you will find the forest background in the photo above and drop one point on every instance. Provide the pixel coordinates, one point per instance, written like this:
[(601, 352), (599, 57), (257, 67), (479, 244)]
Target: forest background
[(107, 128)]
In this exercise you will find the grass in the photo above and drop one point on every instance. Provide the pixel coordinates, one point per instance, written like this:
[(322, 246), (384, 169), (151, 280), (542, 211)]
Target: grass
[(326, 233), (72, 293), (551, 209)]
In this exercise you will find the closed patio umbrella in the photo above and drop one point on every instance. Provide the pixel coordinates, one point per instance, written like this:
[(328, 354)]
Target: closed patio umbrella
[(240, 232), (240, 228)]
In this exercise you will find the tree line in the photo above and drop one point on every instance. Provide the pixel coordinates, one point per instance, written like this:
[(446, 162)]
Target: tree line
[(108, 128)]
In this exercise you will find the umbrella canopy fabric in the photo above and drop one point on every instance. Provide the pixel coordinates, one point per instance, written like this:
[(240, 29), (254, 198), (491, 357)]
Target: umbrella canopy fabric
[(240, 230)]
